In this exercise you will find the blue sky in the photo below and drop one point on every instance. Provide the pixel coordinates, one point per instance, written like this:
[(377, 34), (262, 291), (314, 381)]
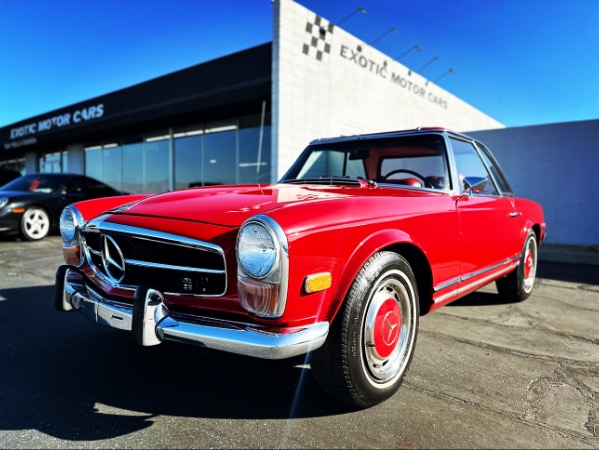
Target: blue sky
[(523, 62)]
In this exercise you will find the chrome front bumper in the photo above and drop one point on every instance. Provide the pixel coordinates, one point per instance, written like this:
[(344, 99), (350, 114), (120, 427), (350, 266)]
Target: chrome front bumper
[(151, 322)]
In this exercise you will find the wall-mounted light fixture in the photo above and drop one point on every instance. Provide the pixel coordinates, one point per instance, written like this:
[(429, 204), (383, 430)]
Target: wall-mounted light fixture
[(434, 59), (359, 9), (450, 71), (413, 47), (392, 30)]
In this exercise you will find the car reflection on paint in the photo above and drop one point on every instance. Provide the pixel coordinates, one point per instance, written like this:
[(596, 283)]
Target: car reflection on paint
[(31, 204)]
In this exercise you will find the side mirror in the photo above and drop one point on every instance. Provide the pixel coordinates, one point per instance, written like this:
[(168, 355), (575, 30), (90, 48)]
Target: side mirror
[(475, 185)]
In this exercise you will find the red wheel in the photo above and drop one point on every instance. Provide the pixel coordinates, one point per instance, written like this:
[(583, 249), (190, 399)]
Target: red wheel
[(518, 285)]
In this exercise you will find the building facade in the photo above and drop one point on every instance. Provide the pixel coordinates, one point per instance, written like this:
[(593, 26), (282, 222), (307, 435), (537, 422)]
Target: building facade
[(245, 117), (242, 118), (208, 124)]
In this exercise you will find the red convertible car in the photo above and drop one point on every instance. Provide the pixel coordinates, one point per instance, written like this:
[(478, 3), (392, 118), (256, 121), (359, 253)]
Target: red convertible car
[(339, 259)]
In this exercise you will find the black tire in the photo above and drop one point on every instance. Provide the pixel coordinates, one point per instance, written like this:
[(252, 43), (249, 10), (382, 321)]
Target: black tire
[(518, 285), (371, 341), (35, 224)]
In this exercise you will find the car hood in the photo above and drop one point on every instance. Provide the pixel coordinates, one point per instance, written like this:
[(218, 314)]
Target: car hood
[(22, 195), (232, 205)]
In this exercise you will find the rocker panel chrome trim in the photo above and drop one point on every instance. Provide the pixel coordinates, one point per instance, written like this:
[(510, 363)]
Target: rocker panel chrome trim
[(466, 277)]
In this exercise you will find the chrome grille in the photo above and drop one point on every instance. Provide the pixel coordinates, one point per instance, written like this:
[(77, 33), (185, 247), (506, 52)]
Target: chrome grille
[(170, 263)]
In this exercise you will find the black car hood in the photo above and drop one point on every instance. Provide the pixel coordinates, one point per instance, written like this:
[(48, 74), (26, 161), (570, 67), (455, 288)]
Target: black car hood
[(24, 195)]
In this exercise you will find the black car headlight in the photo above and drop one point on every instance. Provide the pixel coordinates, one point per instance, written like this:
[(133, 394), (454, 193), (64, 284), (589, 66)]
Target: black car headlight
[(3, 202)]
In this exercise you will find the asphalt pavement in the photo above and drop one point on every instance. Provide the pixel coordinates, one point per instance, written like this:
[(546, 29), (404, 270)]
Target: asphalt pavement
[(486, 374)]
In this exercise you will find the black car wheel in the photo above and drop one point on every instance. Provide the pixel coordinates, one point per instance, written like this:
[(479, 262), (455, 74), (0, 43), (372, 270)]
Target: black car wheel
[(35, 224), (370, 346)]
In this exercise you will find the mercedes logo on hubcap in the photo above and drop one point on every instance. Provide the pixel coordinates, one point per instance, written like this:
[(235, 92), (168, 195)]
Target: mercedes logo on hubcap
[(113, 260), (390, 328)]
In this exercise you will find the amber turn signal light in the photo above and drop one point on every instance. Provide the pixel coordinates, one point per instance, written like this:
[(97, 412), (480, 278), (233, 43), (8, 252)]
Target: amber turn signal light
[(318, 282)]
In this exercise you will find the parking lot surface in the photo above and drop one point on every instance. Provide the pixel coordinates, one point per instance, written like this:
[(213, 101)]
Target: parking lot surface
[(485, 374)]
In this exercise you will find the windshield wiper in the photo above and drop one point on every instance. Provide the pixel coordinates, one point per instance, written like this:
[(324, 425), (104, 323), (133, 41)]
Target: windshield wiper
[(330, 181)]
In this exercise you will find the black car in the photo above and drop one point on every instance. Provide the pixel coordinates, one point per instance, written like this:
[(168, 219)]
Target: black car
[(31, 204)]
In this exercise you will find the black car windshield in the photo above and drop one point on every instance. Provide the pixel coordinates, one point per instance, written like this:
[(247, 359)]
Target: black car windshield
[(403, 161), (40, 182)]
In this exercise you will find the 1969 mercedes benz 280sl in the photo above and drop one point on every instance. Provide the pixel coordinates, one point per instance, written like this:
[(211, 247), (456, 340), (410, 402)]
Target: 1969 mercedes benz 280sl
[(339, 259)]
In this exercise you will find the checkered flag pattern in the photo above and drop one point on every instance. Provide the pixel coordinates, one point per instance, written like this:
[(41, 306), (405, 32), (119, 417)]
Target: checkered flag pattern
[(318, 34)]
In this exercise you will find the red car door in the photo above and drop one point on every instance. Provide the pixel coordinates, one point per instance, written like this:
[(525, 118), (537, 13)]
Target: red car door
[(488, 222)]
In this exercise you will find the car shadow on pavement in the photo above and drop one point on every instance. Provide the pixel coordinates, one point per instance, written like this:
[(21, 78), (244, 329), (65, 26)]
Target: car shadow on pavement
[(74, 380), (481, 299), (571, 273)]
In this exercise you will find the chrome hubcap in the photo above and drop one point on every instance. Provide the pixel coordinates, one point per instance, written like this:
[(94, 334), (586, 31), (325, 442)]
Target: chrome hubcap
[(530, 265), (387, 328), (36, 223)]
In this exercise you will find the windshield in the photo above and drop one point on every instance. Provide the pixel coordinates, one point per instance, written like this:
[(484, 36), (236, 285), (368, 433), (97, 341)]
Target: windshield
[(412, 161), (35, 183)]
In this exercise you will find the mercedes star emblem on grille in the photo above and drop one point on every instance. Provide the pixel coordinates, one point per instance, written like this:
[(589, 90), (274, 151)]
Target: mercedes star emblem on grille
[(112, 259)]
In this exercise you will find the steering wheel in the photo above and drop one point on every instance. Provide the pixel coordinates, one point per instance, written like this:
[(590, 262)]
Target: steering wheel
[(410, 172)]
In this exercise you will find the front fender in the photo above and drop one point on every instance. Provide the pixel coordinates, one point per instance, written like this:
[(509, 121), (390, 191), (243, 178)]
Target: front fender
[(372, 244)]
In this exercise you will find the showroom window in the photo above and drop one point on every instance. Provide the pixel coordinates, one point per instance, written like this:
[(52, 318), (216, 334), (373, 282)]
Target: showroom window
[(227, 152), (189, 168), (220, 154), (104, 163), (156, 163), (54, 162), (14, 164)]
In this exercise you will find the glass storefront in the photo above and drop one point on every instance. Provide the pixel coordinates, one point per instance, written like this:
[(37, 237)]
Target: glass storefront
[(232, 152), (14, 164), (54, 162)]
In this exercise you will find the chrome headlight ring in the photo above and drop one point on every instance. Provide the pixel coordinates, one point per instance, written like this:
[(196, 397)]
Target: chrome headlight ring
[(257, 250), (70, 223), (262, 266)]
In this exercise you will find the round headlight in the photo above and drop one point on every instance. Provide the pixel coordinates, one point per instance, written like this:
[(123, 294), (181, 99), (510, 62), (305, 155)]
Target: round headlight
[(68, 226), (256, 250), (3, 201)]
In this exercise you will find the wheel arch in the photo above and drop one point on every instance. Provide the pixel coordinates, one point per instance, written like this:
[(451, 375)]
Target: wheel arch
[(537, 230), (422, 271), (395, 241)]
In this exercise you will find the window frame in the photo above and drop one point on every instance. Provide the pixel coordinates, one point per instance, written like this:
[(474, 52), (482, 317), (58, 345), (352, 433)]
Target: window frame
[(477, 152)]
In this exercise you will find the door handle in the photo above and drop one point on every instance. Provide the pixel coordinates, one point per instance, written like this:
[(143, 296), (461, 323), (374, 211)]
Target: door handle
[(515, 214)]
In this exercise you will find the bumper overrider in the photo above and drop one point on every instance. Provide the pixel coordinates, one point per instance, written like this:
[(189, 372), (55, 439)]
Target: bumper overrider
[(151, 322)]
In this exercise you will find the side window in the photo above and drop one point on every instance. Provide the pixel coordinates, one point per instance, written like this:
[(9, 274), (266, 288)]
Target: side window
[(495, 170), (95, 185), (76, 185), (469, 164)]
